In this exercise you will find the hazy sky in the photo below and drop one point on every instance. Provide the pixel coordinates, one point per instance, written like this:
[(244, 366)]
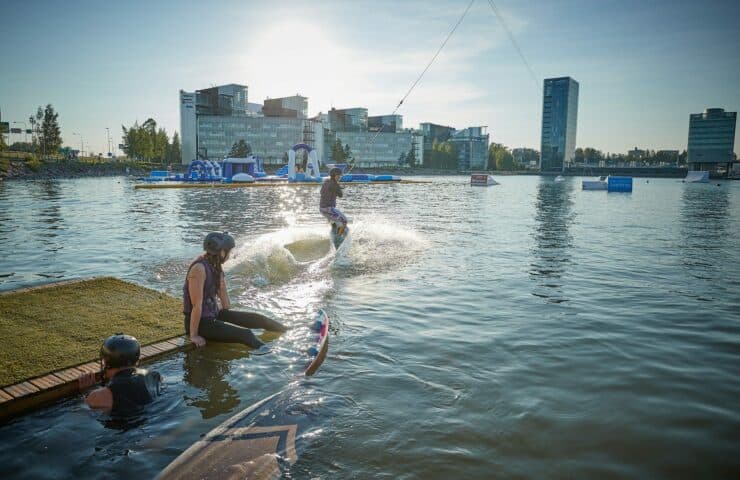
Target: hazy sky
[(643, 66)]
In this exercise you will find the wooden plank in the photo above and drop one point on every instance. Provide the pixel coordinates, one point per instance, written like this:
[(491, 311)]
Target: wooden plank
[(47, 381), (21, 389), (5, 397), (69, 374)]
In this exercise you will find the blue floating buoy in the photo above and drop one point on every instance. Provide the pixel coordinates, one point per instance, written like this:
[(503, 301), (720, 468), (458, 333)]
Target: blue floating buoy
[(313, 351)]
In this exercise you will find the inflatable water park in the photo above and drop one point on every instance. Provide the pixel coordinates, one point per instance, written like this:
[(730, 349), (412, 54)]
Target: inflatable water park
[(249, 172)]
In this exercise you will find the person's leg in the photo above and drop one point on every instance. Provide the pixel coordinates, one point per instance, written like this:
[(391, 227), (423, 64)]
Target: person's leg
[(340, 220), (251, 320), (219, 331)]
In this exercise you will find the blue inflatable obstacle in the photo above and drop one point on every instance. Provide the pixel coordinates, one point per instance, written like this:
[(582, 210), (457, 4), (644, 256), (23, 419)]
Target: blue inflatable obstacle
[(619, 184)]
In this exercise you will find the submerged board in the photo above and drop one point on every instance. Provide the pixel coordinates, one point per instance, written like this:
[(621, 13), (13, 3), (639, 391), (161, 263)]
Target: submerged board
[(258, 442), (336, 238)]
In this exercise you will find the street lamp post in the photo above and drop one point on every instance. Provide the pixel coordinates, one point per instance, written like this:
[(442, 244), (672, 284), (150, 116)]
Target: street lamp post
[(107, 134)]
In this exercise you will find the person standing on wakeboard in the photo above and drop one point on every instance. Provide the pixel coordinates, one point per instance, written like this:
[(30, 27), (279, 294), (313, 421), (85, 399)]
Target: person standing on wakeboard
[(330, 190)]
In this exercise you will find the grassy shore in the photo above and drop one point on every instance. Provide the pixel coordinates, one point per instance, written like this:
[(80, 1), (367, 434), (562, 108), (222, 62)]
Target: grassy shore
[(55, 327)]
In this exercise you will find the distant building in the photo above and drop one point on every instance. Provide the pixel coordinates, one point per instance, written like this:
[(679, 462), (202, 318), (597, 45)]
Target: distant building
[(287, 107), (636, 153), (471, 145), (559, 123), (213, 119), (384, 151), (385, 123), (348, 119), (711, 139), (432, 132)]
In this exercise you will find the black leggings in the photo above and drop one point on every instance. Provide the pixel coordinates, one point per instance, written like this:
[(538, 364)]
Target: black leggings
[(234, 327)]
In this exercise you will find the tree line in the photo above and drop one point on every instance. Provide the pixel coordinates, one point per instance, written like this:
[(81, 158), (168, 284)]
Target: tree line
[(148, 143), (46, 137)]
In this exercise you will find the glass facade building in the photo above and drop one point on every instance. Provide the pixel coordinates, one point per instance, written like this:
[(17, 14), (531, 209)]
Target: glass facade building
[(385, 123), (471, 145), (269, 137), (348, 119), (711, 139), (559, 123), (213, 119), (385, 151), (295, 107)]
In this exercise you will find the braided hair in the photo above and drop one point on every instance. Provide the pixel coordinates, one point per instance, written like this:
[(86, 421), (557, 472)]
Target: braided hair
[(214, 260)]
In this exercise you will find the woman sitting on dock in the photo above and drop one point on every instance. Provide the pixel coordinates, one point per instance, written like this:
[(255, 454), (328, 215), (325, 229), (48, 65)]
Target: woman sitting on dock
[(205, 288)]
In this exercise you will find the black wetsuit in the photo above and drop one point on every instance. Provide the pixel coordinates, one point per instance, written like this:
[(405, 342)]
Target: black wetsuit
[(234, 327), (133, 388)]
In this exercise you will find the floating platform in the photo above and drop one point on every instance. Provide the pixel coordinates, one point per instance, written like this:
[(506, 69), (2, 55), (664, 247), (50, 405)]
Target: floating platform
[(57, 330), (259, 184)]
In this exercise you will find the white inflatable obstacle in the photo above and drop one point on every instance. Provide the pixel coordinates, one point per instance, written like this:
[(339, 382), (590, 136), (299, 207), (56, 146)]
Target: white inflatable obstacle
[(312, 173), (697, 176)]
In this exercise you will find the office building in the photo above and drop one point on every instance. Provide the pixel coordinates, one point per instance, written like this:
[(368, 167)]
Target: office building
[(288, 107), (471, 145), (711, 140), (213, 119), (348, 119), (559, 122), (385, 123)]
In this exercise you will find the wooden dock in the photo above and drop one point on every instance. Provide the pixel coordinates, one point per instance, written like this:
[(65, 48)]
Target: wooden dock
[(55, 333)]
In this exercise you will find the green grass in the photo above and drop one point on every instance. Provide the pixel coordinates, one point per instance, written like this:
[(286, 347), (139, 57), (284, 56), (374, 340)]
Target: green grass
[(60, 326)]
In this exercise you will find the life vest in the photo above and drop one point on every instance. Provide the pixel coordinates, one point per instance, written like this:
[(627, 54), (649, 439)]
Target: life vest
[(210, 298), (133, 388)]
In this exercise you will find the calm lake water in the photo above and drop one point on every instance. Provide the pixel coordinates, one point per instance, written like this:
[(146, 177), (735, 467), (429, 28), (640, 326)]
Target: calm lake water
[(526, 330)]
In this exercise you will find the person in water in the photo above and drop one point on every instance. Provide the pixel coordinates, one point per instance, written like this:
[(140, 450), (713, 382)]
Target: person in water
[(206, 300), (330, 190), (125, 386)]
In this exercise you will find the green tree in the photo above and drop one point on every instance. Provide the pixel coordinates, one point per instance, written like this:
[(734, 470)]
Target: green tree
[(337, 152), (411, 156), (493, 150), (402, 158), (579, 157), (173, 150), (50, 131), (36, 121), (240, 149), (504, 160), (3, 145), (347, 153)]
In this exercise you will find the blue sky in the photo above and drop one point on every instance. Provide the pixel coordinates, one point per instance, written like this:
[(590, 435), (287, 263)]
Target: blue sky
[(643, 66)]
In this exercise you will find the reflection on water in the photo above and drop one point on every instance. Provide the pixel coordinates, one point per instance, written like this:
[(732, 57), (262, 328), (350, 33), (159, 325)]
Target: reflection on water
[(553, 241), (704, 228), (207, 370)]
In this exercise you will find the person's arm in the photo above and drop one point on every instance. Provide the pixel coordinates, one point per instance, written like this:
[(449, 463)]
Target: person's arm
[(101, 398), (338, 189), (196, 281), (223, 294)]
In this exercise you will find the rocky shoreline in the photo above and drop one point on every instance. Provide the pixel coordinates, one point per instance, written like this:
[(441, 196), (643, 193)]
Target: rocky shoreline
[(15, 169)]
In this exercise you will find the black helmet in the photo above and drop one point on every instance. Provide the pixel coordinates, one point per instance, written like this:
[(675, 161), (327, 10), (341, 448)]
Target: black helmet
[(215, 242), (335, 171), (120, 350)]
